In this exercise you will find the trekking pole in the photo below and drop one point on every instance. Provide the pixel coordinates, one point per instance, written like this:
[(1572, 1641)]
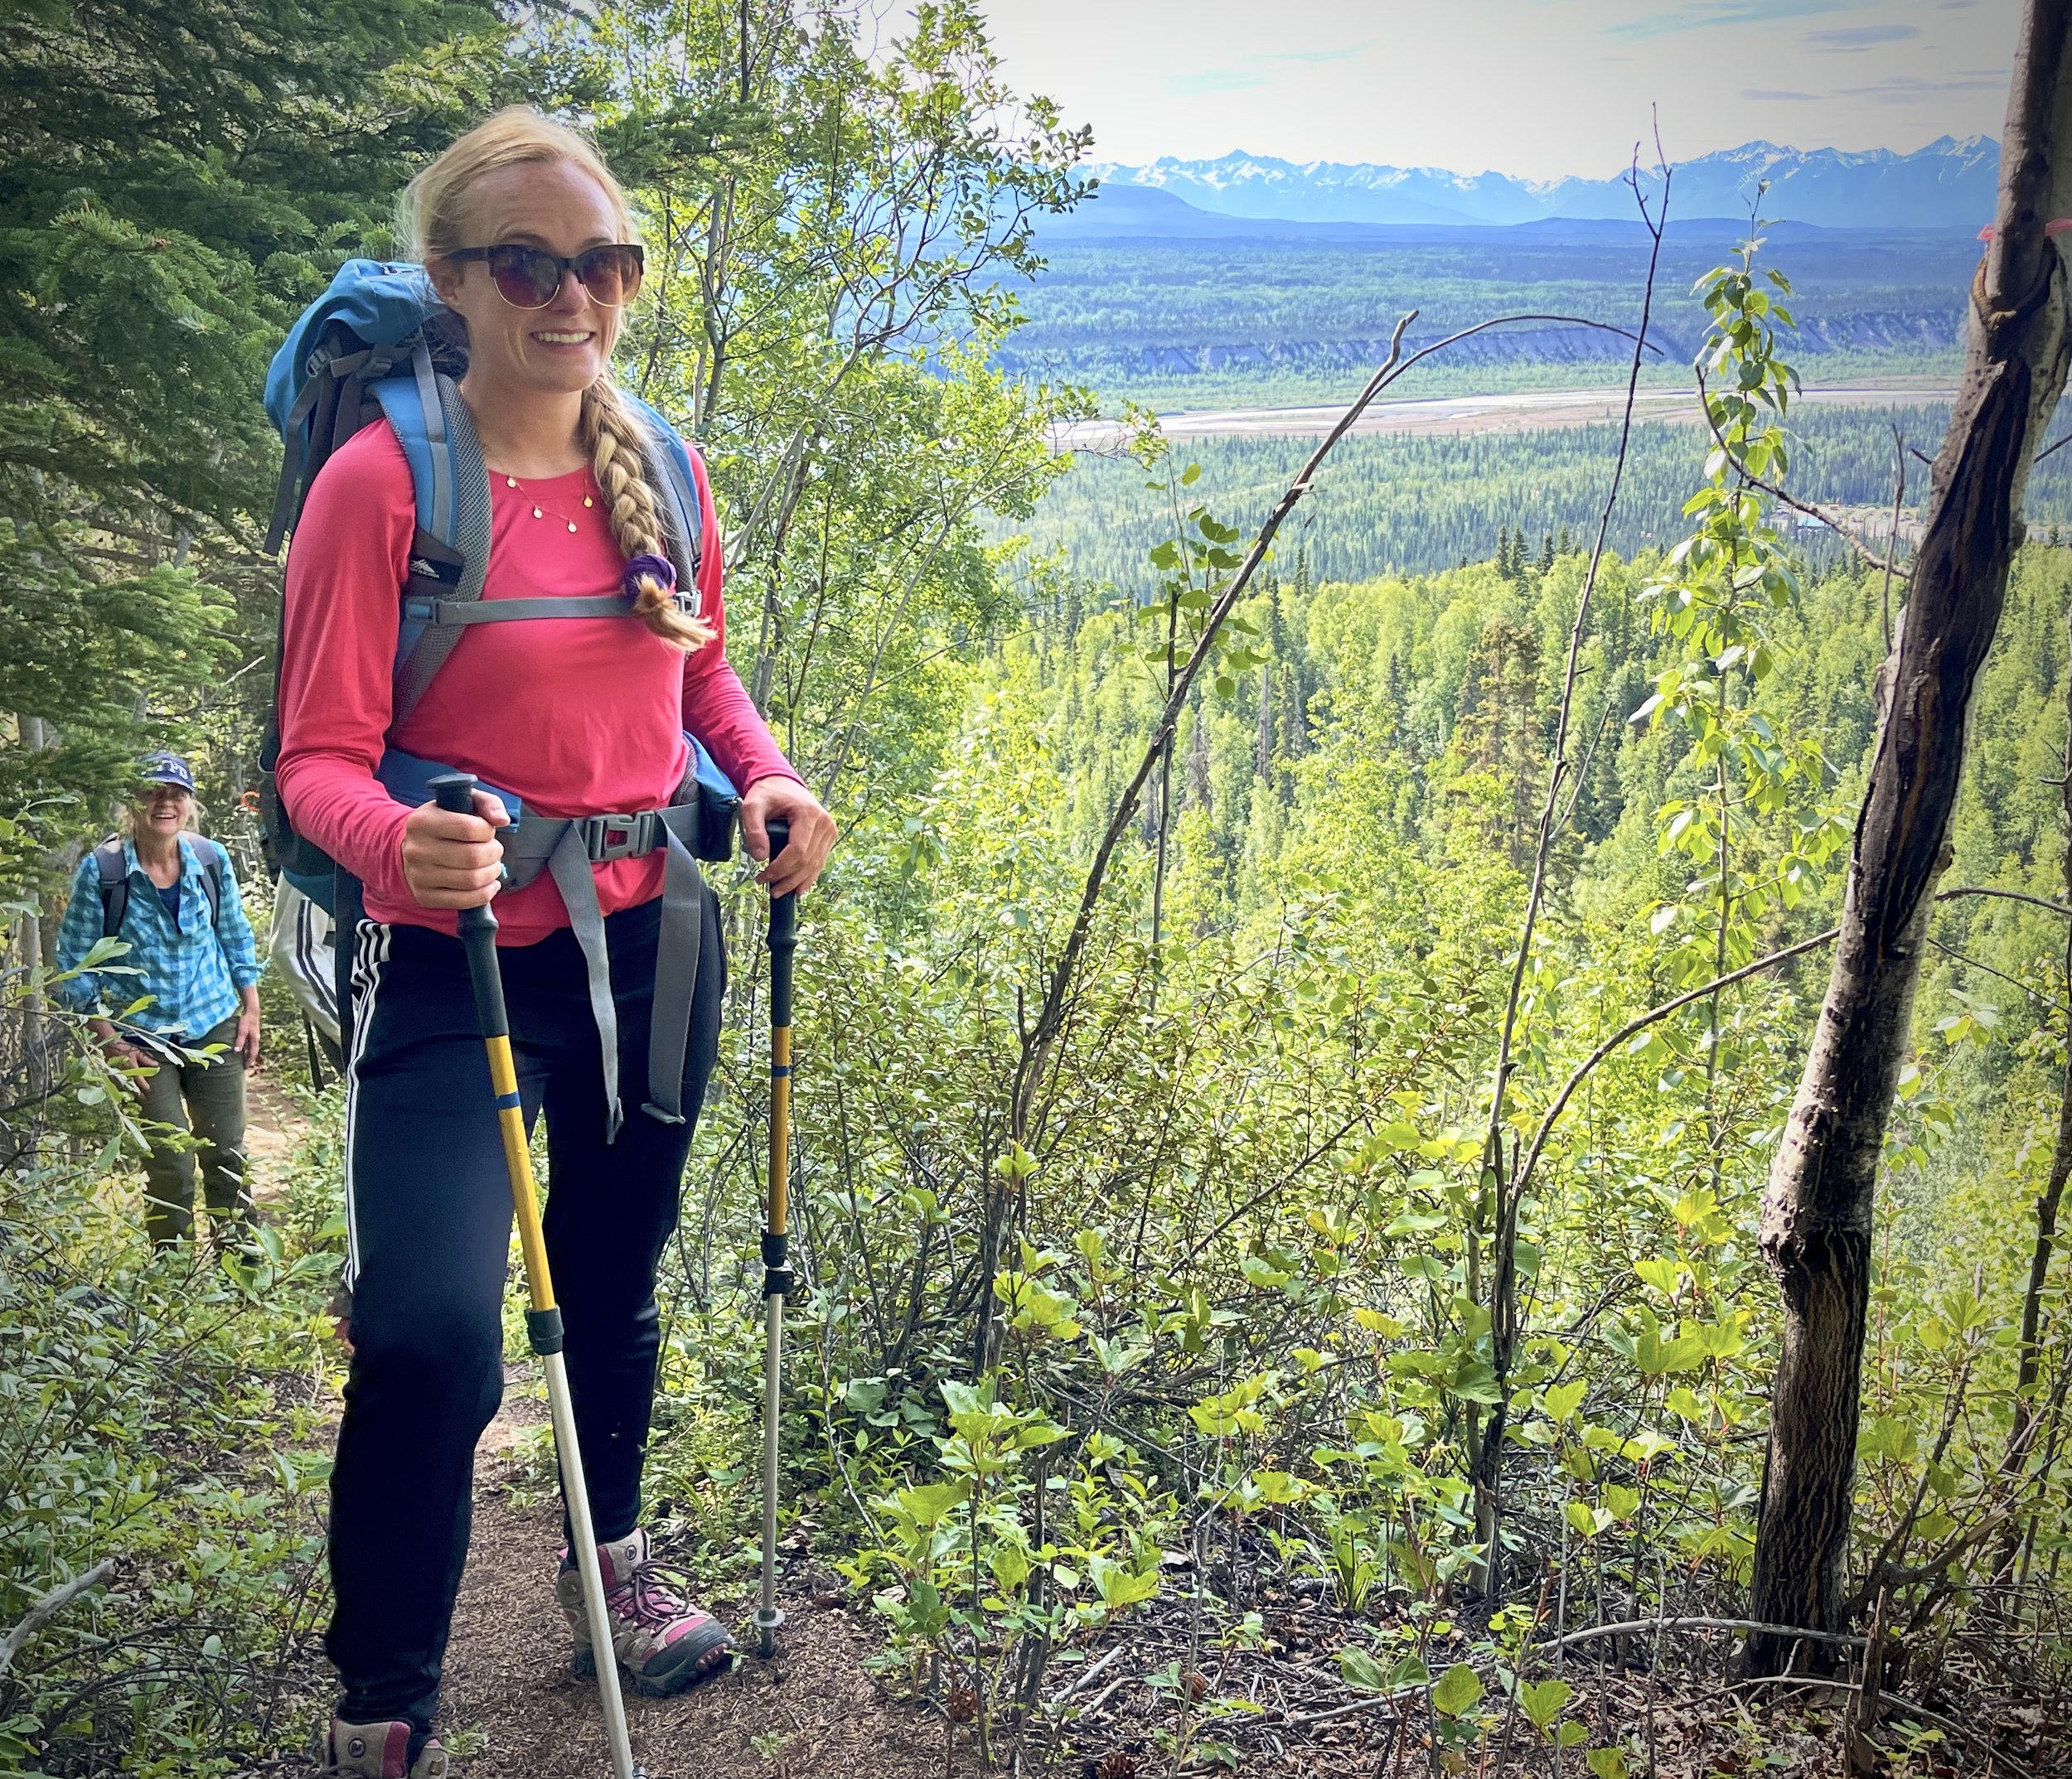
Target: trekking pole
[(456, 792), (776, 1272)]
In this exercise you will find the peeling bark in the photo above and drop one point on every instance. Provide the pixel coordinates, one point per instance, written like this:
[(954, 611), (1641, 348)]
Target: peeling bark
[(1818, 1208)]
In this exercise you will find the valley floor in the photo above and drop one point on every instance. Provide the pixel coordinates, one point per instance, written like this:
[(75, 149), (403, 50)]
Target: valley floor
[(1514, 411)]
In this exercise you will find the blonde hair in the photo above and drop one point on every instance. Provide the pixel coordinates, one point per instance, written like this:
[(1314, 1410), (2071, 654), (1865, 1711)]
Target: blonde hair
[(432, 216)]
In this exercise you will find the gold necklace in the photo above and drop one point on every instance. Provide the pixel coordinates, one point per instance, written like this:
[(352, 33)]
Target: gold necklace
[(546, 512)]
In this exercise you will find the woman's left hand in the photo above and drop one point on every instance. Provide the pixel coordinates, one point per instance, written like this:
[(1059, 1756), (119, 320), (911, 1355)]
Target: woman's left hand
[(798, 866)]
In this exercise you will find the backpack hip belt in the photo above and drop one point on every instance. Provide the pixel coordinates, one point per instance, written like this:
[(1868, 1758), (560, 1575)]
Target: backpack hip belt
[(566, 848)]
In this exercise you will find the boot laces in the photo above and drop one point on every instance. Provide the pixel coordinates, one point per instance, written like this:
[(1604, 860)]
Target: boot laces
[(651, 1597)]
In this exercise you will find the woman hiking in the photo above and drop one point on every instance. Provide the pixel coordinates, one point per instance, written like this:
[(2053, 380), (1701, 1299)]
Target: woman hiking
[(527, 240), (172, 898)]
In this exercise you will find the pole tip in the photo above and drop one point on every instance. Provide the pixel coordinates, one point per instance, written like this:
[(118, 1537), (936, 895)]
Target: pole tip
[(768, 1618)]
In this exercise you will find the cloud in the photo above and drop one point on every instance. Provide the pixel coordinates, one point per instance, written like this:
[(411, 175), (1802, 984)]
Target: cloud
[(1702, 15), (1774, 92), (1850, 40), (1901, 90), (1261, 70)]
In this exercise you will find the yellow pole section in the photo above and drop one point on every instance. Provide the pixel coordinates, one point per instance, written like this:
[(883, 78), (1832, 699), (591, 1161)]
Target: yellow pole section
[(780, 1128), (510, 1121)]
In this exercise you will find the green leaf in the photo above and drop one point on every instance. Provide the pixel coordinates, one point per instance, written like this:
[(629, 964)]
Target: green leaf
[(1544, 1700), (1458, 1692)]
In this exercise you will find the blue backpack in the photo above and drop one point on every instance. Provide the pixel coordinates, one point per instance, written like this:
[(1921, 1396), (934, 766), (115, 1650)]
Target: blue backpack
[(378, 345)]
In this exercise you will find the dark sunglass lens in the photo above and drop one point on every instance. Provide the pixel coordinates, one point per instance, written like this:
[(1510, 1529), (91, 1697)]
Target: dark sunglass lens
[(525, 278), (611, 274)]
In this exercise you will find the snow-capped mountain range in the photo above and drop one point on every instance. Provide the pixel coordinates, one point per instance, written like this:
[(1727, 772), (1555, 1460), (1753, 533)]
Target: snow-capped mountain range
[(1948, 184)]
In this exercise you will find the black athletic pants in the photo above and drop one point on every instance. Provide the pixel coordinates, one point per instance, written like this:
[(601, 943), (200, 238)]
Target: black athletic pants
[(428, 1222)]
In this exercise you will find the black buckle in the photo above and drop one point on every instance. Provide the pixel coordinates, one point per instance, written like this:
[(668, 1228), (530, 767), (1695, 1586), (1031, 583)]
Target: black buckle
[(605, 838)]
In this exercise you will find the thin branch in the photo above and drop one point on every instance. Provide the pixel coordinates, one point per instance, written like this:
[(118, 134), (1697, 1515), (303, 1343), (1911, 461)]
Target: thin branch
[(2012, 982), (49, 1607), (2061, 908), (1503, 1303), (1777, 492), (1049, 1017), (1640, 1024), (1892, 545), (1744, 1626)]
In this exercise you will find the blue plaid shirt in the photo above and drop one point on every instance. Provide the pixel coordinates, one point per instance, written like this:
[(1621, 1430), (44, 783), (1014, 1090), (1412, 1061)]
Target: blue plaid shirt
[(192, 974)]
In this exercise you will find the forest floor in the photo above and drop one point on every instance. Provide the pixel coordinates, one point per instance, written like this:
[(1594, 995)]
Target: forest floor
[(1271, 1699), (514, 1711)]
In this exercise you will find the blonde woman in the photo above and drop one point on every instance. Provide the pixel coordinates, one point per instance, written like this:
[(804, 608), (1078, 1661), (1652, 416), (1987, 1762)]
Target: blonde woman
[(527, 240)]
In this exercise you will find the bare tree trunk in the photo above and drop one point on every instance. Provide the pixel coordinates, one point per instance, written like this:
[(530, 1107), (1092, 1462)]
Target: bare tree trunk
[(1817, 1209)]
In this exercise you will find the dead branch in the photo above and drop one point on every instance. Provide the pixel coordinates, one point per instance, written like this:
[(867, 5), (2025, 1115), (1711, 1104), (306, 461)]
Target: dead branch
[(49, 1607)]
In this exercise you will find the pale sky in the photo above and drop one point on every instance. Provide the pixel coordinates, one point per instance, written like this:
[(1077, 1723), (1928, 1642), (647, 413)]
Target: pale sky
[(1536, 87)]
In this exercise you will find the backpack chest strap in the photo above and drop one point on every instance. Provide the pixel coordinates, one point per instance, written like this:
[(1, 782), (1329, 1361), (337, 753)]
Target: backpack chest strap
[(439, 612)]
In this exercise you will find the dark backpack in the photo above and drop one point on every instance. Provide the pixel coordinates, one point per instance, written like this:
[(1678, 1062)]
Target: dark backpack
[(114, 882)]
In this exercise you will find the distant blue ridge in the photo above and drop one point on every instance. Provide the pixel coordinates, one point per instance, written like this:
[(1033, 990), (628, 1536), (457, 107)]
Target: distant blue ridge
[(1950, 184)]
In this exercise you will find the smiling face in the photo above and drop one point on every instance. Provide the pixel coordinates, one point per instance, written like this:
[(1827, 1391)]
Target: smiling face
[(162, 810), (563, 348)]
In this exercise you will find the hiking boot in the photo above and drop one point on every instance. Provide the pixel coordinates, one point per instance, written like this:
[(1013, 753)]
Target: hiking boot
[(379, 1751), (664, 1643)]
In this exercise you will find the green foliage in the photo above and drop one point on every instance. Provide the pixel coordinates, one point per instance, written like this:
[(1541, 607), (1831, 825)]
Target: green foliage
[(157, 1409)]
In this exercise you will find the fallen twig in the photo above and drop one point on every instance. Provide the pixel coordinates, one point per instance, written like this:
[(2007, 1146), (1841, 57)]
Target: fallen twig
[(1085, 1677), (1742, 1625), (49, 1607)]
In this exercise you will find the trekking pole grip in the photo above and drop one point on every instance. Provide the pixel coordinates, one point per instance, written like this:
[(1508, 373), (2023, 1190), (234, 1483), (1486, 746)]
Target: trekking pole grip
[(455, 792), (784, 931)]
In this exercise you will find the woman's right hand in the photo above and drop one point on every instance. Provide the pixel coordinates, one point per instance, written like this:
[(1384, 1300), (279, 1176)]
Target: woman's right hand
[(450, 860)]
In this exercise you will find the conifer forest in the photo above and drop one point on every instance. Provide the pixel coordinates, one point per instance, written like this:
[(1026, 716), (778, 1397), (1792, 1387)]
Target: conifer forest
[(1433, 1080)]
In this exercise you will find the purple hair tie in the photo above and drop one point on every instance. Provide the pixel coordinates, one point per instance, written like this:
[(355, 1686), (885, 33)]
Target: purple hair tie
[(659, 568)]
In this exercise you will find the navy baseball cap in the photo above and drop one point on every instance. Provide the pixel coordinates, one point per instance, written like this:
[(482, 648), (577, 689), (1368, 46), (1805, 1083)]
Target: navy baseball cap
[(167, 769)]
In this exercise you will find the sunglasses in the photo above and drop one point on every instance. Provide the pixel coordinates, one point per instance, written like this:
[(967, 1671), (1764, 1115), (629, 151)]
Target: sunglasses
[(530, 277)]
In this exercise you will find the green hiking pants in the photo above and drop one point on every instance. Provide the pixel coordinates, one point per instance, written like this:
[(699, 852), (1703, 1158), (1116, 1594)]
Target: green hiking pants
[(213, 1093)]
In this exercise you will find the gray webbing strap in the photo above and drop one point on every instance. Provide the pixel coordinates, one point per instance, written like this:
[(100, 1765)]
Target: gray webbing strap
[(571, 868), (676, 950), (428, 395), (559, 843), (463, 454), (441, 612)]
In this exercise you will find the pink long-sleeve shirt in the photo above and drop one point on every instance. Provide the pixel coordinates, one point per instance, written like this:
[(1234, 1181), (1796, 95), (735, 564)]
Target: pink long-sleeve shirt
[(576, 716)]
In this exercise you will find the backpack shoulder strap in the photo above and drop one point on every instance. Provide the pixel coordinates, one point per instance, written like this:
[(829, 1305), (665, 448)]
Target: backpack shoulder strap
[(431, 422), (114, 885), (214, 863), (683, 512)]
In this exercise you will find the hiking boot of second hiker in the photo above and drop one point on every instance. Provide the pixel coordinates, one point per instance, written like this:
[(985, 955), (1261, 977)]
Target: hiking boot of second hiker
[(663, 1642), (379, 1751)]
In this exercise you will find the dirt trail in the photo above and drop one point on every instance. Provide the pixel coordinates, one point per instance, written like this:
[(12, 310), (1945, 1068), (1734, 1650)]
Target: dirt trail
[(513, 1709), (512, 1704), (274, 1124)]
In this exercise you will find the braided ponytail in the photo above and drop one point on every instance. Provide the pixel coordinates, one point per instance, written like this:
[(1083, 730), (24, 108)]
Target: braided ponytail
[(618, 459), (433, 216)]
